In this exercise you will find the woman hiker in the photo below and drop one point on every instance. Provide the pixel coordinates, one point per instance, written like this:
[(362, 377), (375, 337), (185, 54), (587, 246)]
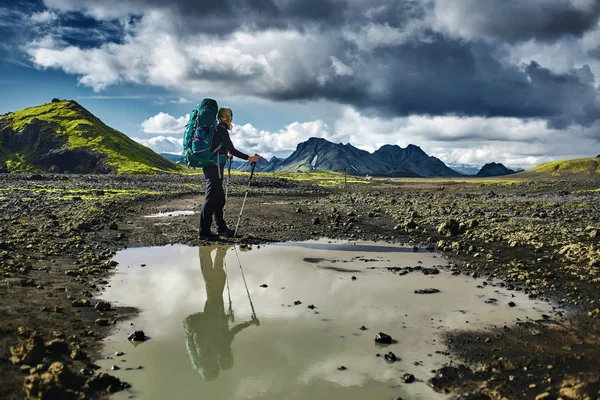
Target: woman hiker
[(214, 198)]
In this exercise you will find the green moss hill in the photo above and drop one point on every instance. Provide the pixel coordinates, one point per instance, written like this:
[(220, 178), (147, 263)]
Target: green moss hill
[(576, 168), (63, 137)]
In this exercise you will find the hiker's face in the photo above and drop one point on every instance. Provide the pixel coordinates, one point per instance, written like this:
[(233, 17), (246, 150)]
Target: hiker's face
[(227, 119)]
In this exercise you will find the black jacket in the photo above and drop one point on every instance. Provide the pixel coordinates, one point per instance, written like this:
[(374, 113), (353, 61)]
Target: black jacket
[(222, 137)]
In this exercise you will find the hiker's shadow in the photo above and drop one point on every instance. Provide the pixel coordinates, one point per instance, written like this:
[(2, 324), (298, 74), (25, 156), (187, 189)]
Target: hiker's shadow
[(208, 335)]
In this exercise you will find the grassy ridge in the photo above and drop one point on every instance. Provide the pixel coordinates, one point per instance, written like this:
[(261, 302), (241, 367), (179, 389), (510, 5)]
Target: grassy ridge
[(84, 130), (584, 167)]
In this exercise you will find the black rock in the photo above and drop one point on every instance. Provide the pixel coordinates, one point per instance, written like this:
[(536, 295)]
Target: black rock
[(427, 291), (297, 302), (390, 357), (363, 328), (511, 304), (264, 285), (383, 338), (312, 306), (430, 271), (408, 378), (137, 336), (342, 368), (353, 278)]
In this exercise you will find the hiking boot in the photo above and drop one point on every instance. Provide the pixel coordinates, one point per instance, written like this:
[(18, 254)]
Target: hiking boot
[(225, 232), (207, 235)]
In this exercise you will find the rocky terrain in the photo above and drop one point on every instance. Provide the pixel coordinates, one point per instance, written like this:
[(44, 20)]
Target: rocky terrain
[(58, 233)]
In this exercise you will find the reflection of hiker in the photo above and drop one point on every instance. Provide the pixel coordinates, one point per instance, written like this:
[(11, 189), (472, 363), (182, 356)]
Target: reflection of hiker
[(207, 334), (214, 200)]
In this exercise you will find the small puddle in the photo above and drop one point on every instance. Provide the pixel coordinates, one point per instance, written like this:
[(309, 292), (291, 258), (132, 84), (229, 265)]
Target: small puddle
[(171, 214), (215, 333)]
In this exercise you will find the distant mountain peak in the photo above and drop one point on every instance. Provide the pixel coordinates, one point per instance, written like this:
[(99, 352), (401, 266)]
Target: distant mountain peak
[(494, 169)]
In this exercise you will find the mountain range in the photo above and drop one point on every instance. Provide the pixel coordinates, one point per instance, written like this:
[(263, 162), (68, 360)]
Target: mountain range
[(390, 160)]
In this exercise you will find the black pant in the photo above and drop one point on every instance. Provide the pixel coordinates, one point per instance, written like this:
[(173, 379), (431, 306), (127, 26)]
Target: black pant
[(214, 200)]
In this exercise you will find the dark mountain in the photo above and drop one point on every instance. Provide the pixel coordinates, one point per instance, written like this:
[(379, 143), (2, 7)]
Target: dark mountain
[(263, 165), (415, 159), (494, 169), (321, 154), (63, 137), (318, 153)]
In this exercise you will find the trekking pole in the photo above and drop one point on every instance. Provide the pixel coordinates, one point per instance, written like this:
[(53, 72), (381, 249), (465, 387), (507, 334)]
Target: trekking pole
[(244, 202), (245, 284), (228, 178)]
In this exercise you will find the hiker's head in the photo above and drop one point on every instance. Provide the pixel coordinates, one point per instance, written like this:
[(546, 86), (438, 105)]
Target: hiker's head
[(225, 116)]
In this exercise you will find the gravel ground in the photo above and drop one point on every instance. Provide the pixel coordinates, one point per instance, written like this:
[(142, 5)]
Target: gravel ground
[(58, 233)]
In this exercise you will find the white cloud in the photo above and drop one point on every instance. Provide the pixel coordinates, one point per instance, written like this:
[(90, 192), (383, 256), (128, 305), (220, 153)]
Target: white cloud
[(163, 144), (44, 17), (164, 124)]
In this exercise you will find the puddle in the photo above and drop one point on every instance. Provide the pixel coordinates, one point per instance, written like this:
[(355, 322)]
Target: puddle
[(216, 333), (171, 214)]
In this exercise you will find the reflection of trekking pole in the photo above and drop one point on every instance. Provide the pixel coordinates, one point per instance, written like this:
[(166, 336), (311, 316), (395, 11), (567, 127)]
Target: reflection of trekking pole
[(244, 202), (228, 292), (245, 284)]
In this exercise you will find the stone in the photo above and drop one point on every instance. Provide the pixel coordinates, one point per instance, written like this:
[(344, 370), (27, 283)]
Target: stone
[(81, 303), (138, 336), (408, 378), (363, 328), (102, 322), (57, 346), (264, 285), (106, 383), (449, 228), (31, 353), (383, 338), (103, 306), (78, 354), (511, 304), (342, 368), (57, 383), (427, 291), (390, 357)]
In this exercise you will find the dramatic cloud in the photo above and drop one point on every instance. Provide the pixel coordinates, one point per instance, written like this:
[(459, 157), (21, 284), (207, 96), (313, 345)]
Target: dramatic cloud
[(515, 77), (515, 20)]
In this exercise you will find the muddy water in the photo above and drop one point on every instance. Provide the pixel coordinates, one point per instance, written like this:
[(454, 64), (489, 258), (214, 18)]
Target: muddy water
[(215, 333)]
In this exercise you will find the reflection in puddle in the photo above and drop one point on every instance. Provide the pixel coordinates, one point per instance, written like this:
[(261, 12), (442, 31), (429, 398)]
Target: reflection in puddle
[(280, 323), (171, 214)]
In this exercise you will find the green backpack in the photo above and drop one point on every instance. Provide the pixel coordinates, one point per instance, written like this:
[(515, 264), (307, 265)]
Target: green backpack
[(198, 137)]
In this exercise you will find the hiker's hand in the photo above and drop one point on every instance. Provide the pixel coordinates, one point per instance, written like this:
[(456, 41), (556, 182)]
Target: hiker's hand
[(229, 156), (254, 158)]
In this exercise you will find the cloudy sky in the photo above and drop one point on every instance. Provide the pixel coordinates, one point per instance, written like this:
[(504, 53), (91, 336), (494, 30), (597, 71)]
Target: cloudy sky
[(469, 81)]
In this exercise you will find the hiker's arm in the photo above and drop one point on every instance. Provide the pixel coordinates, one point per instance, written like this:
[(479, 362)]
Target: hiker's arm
[(238, 328), (229, 147)]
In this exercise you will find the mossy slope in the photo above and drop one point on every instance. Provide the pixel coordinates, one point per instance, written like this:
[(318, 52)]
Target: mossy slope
[(74, 128), (579, 167)]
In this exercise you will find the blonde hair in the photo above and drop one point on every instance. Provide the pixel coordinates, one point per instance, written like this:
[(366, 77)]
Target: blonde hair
[(225, 111)]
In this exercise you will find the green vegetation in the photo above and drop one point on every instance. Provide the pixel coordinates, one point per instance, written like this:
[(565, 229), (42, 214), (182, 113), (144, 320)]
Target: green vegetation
[(319, 177), (578, 166), (84, 130), (18, 163)]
